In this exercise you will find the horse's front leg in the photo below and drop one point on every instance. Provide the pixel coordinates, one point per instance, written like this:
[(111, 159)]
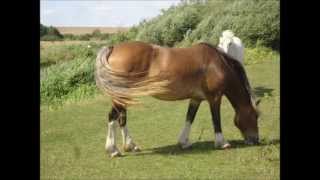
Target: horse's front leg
[(183, 140), (215, 104), (128, 144)]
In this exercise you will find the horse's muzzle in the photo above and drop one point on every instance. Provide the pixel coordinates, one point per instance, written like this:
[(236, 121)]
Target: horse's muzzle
[(252, 140)]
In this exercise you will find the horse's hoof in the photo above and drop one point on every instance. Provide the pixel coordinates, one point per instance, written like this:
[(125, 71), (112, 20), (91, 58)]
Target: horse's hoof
[(185, 145), (113, 151), (224, 145), (136, 149), (115, 154), (248, 142), (131, 148)]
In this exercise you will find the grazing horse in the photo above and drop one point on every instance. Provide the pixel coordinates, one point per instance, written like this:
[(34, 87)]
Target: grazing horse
[(201, 72), (231, 45)]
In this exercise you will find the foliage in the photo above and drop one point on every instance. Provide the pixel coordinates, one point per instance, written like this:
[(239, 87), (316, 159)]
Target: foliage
[(96, 35), (54, 54), (50, 33), (117, 38), (67, 72), (170, 28), (259, 54), (251, 20), (62, 80)]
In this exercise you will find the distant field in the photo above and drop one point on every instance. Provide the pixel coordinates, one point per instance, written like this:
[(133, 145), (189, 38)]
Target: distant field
[(84, 30), (46, 44)]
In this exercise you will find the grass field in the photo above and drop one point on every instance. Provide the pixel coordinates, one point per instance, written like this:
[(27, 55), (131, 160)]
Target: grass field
[(47, 44), (73, 138)]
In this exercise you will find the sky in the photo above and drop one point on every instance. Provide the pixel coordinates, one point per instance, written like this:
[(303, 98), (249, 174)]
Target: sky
[(109, 13)]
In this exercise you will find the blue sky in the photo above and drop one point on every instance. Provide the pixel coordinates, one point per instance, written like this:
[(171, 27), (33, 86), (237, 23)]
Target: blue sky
[(100, 13)]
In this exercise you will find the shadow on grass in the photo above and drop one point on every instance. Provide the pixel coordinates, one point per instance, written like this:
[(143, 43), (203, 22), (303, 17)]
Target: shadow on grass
[(260, 91), (200, 147)]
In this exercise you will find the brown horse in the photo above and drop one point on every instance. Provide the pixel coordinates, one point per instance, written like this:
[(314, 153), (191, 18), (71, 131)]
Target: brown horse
[(201, 72)]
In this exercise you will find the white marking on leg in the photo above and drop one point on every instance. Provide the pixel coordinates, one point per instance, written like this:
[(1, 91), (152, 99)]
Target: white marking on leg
[(220, 142), (184, 136), (127, 139), (111, 139), (219, 139)]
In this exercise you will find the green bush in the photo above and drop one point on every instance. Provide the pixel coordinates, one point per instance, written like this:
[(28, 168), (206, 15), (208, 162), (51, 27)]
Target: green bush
[(104, 36), (96, 33), (43, 30), (259, 54), (51, 38), (171, 27), (84, 37), (117, 38), (49, 33), (58, 54), (61, 81), (67, 72), (132, 33), (253, 21), (71, 37)]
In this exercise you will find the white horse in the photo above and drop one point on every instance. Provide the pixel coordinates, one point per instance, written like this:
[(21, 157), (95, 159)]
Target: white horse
[(232, 45)]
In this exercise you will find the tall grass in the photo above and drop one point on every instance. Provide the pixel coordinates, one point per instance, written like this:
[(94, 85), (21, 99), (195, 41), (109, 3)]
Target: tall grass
[(58, 53), (259, 54), (71, 78)]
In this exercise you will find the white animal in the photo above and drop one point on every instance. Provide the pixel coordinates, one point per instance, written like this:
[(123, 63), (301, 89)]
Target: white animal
[(232, 45)]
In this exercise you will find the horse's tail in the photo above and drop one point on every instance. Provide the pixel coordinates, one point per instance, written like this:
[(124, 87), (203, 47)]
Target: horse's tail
[(123, 87)]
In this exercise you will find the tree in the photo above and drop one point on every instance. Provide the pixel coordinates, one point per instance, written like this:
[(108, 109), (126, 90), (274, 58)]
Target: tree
[(50, 33)]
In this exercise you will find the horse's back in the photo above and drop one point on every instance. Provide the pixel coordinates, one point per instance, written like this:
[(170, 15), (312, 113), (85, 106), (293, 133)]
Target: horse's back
[(191, 71), (139, 56), (131, 56)]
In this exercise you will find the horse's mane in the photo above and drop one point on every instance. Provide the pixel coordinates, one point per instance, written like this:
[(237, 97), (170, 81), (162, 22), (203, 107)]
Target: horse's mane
[(236, 67)]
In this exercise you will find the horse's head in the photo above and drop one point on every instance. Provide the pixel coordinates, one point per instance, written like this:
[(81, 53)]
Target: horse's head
[(246, 119)]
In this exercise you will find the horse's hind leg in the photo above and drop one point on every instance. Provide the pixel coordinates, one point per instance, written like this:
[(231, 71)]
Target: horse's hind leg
[(184, 136), (128, 144), (111, 146), (215, 104), (118, 114)]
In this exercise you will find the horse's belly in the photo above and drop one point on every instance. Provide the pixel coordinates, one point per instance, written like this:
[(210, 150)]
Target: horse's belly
[(180, 94)]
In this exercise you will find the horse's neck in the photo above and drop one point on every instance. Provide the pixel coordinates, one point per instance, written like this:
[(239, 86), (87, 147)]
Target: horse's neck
[(238, 99)]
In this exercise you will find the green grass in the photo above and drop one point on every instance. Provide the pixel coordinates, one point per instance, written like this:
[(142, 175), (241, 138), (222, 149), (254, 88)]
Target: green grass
[(73, 138), (60, 52)]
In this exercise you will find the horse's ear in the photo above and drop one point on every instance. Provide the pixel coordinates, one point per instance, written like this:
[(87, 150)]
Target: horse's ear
[(258, 102)]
